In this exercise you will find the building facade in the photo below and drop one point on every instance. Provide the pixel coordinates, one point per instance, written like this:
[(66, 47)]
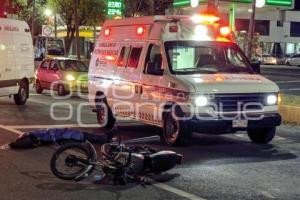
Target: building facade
[(279, 30)]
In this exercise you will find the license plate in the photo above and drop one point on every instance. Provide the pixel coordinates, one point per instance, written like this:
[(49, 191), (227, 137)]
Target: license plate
[(239, 123)]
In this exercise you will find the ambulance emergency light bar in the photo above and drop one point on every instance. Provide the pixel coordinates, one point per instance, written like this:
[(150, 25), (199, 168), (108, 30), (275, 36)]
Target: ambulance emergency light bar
[(140, 30), (202, 23)]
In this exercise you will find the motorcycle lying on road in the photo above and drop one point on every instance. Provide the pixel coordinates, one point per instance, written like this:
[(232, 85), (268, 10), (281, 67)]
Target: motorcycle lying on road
[(122, 163)]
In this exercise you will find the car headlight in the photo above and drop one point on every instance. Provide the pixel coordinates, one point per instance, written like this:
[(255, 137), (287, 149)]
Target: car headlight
[(201, 101), (70, 77), (272, 99)]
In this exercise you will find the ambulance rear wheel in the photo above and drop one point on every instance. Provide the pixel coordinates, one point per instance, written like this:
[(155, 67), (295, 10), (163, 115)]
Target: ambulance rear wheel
[(23, 94), (105, 116), (175, 130)]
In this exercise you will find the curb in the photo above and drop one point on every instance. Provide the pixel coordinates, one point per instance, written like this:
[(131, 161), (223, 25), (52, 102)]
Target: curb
[(290, 114)]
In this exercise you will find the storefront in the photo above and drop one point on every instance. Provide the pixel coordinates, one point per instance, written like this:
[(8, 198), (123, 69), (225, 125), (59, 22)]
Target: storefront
[(87, 37)]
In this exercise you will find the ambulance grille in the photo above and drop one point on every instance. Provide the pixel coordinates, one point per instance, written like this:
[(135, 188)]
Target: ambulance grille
[(240, 102)]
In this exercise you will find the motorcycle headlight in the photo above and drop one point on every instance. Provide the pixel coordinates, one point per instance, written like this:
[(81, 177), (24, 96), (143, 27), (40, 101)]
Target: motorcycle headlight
[(272, 99), (201, 101), (70, 77)]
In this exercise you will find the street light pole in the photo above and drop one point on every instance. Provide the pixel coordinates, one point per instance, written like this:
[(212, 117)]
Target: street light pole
[(251, 29), (77, 29)]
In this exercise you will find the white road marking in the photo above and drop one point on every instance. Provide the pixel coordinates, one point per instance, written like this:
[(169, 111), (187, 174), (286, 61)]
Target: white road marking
[(4, 147), (241, 135), (19, 133), (49, 103), (39, 102), (176, 191), (267, 194), (277, 137), (53, 126), (293, 89), (280, 82)]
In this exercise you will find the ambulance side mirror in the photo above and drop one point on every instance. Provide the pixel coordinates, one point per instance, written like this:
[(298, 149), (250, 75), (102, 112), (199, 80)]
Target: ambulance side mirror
[(256, 67)]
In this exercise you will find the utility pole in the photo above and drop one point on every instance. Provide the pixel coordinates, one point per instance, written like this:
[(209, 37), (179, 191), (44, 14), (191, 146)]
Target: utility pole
[(33, 18), (251, 29), (77, 43), (55, 25)]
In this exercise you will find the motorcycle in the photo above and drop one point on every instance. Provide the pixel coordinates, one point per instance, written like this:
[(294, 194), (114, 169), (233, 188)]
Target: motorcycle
[(123, 163)]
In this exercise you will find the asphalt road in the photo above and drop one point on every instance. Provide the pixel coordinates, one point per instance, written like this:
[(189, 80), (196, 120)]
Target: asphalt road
[(214, 167), (287, 77)]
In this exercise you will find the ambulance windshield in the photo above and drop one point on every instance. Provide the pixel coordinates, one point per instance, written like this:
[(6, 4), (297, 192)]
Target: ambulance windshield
[(190, 57)]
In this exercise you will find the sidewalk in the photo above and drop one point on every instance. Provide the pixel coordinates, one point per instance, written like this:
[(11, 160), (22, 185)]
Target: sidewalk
[(290, 114)]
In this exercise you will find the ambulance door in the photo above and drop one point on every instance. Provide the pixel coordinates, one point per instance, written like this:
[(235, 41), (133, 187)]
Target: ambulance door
[(24, 62), (152, 88), (8, 81), (126, 86)]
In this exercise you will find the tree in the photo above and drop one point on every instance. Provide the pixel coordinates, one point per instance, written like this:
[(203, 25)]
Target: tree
[(90, 13), (144, 8), (24, 9)]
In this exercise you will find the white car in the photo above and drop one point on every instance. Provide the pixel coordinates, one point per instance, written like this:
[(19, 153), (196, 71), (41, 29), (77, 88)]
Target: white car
[(294, 60), (269, 60), (16, 60), (183, 74)]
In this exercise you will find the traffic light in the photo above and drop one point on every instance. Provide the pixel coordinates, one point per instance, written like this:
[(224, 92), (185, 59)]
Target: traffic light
[(160, 6)]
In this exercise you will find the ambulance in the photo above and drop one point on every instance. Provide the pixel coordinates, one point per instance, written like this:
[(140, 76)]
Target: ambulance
[(16, 60), (184, 74)]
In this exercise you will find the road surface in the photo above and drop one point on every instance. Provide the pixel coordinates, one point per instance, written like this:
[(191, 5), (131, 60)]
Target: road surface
[(287, 77), (214, 167)]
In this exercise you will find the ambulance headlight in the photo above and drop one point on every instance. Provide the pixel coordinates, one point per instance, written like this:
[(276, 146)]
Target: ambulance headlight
[(272, 99), (201, 101), (70, 77)]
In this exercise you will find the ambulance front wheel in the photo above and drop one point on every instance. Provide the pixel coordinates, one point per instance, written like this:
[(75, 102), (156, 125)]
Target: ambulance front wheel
[(262, 135), (175, 130), (105, 116)]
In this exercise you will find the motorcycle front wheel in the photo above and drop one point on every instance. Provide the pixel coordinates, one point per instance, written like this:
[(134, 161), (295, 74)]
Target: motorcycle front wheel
[(72, 160)]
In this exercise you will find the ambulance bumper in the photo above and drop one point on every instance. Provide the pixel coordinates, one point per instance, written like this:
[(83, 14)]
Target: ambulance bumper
[(223, 126)]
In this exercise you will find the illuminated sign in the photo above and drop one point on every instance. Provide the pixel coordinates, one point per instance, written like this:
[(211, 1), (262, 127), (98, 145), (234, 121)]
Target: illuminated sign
[(260, 3), (115, 8), (47, 31), (277, 3)]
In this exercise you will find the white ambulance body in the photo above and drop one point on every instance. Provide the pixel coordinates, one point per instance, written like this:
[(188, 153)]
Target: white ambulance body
[(183, 74), (16, 60)]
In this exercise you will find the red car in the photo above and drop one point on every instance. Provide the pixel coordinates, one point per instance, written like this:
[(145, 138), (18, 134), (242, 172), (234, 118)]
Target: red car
[(64, 75)]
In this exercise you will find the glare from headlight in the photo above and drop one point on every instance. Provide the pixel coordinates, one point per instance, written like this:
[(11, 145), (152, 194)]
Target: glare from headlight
[(201, 101), (70, 77), (272, 99)]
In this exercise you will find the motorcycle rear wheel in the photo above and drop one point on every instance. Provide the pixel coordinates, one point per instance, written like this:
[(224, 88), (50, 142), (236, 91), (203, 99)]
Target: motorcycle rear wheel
[(65, 163)]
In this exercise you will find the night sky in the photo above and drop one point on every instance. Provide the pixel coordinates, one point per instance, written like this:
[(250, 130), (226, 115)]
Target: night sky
[(297, 4)]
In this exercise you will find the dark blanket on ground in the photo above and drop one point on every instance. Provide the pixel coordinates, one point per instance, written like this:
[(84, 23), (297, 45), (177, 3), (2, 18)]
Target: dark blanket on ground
[(56, 135)]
